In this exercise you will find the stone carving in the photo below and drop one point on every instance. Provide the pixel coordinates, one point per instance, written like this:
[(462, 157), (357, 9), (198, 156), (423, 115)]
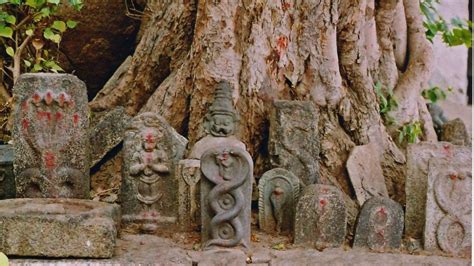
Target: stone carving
[(320, 217), (380, 225), (448, 207), (50, 136), (149, 188), (226, 191), (220, 123), (365, 172), (294, 142), (418, 156), (58, 228), (189, 177), (279, 190), (7, 179), (455, 131)]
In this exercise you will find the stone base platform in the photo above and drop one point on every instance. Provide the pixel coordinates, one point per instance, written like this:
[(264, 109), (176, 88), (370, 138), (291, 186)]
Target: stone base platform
[(58, 228)]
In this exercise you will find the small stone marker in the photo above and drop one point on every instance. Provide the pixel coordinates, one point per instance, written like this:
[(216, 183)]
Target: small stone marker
[(51, 137), (226, 193), (149, 188), (320, 217), (455, 131), (448, 207), (294, 142), (279, 190), (366, 173), (58, 228), (418, 156), (379, 225), (189, 177), (7, 179)]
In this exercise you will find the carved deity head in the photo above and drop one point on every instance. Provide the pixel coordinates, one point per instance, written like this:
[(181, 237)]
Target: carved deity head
[(150, 138), (222, 118)]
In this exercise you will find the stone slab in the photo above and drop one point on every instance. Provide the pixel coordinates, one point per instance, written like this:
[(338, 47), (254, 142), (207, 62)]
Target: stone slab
[(58, 228), (107, 133), (50, 136), (293, 141), (448, 207), (321, 219), (418, 156), (7, 179), (365, 172), (379, 225), (455, 131), (188, 173)]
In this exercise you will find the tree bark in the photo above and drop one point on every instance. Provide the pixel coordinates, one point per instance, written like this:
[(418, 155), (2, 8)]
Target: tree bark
[(329, 52)]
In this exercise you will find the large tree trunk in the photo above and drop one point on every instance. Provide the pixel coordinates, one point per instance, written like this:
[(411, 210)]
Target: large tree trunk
[(330, 52)]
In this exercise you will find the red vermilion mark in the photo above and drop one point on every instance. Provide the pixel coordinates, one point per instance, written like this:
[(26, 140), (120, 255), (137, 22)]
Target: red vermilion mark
[(59, 116), (285, 6), (145, 214), (149, 138), (322, 202), (25, 123), (453, 177), (148, 158), (282, 44), (75, 118), (382, 212), (48, 98), (447, 150), (48, 116), (49, 160), (71, 103), (154, 214), (36, 98), (61, 99), (24, 106)]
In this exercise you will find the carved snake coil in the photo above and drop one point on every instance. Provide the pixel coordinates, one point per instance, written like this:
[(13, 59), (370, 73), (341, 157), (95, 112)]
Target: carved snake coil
[(226, 190)]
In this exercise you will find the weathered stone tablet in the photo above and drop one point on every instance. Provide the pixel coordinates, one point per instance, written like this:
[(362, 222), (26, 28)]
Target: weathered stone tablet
[(188, 173), (226, 193), (58, 228), (379, 225), (321, 217), (50, 135), (448, 207), (152, 149), (279, 190), (418, 156), (7, 179), (293, 141)]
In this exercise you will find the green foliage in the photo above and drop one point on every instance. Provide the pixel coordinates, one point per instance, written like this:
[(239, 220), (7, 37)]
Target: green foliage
[(30, 29), (410, 132), (386, 103), (434, 94), (456, 32)]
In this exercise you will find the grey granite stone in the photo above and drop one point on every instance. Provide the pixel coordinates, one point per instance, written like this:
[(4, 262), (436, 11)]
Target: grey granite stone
[(455, 131), (448, 207), (7, 179), (279, 191), (379, 225), (149, 188), (58, 228), (320, 217), (365, 172), (107, 133), (50, 136), (188, 173), (293, 141), (226, 192), (418, 156)]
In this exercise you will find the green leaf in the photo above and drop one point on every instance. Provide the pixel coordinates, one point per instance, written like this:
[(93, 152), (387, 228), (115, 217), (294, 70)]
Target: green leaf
[(35, 3), (6, 32), (10, 19), (77, 4), (15, 2), (3, 259), (50, 35), (59, 25), (56, 2), (45, 11), (37, 68), (27, 63), (71, 24), (10, 51), (3, 2), (53, 66), (29, 32)]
